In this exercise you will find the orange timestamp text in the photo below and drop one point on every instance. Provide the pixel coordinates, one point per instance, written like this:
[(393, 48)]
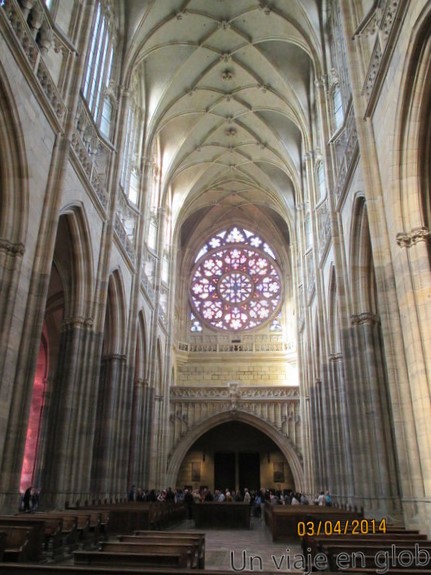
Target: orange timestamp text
[(341, 527)]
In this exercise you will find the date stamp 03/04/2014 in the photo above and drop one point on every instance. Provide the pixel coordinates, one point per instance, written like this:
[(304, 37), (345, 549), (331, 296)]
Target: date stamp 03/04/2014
[(353, 527)]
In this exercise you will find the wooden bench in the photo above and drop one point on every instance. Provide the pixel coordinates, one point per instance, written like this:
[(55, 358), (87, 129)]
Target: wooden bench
[(197, 539), (373, 554), (49, 539), (126, 516), (177, 559), (52, 569), (2, 543), (69, 526), (17, 543), (406, 550), (169, 547)]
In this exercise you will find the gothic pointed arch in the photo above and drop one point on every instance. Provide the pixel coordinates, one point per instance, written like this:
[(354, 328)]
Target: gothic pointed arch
[(13, 170), (67, 327), (111, 453), (14, 202), (370, 394), (333, 313), (362, 275), (412, 170), (115, 319), (197, 431), (82, 258)]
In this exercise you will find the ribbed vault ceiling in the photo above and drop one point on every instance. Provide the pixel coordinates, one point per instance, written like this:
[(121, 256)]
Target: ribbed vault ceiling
[(226, 91)]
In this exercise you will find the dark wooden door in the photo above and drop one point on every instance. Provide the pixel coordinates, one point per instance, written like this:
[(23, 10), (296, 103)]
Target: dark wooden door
[(224, 471)]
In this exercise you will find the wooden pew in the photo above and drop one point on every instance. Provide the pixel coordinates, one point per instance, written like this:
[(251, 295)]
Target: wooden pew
[(69, 526), (406, 550), (165, 546), (127, 516), (17, 543), (195, 538), (49, 539), (178, 559), (56, 569), (2, 544), (373, 554)]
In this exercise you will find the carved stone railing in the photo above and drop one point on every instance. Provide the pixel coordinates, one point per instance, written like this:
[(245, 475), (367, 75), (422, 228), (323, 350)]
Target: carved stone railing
[(163, 305), (125, 225), (278, 406), (246, 344), (93, 153), (311, 276), (124, 239), (146, 281), (323, 226), (32, 29), (346, 151), (383, 23)]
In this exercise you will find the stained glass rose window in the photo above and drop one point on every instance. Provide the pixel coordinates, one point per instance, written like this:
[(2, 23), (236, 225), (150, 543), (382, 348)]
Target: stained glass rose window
[(236, 282)]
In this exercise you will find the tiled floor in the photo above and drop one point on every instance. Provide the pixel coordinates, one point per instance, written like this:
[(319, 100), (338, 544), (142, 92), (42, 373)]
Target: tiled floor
[(251, 549)]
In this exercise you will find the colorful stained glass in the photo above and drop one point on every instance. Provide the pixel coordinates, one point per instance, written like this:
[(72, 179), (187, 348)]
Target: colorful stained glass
[(236, 282)]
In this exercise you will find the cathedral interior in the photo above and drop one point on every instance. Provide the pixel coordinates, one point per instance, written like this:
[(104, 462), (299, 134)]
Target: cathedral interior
[(215, 249)]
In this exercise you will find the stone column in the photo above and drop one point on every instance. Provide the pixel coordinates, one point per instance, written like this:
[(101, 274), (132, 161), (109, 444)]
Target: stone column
[(414, 289), (381, 489), (136, 434), (147, 433), (342, 449), (108, 449), (66, 444)]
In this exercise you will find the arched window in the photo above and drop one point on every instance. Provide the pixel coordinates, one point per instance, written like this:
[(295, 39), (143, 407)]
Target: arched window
[(130, 169), (99, 67), (236, 282), (337, 107), (321, 180)]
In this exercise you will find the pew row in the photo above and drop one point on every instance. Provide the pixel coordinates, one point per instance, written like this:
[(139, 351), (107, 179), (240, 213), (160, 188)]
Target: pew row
[(175, 559), (190, 550), (21, 541), (189, 537), (408, 551), (126, 517), (23, 569)]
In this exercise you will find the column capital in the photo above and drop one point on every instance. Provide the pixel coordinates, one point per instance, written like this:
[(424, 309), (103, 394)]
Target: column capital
[(115, 357), (365, 318), (335, 357), (77, 322), (14, 249), (409, 239)]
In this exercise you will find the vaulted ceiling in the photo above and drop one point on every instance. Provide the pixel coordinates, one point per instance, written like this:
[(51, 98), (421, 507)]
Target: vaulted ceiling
[(228, 103)]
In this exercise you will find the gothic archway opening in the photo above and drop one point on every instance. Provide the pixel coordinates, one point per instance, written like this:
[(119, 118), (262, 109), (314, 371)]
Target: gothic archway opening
[(235, 455), (35, 418)]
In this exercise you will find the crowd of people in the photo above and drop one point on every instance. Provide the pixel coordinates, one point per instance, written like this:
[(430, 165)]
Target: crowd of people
[(255, 498)]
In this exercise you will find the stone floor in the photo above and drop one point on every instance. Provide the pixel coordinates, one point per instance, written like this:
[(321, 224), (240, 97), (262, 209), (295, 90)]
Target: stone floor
[(248, 549)]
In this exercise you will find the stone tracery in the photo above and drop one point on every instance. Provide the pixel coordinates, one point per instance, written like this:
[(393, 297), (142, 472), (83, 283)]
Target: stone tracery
[(236, 283)]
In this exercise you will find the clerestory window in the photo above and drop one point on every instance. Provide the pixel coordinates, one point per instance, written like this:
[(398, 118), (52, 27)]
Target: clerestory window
[(99, 67), (337, 104), (236, 282)]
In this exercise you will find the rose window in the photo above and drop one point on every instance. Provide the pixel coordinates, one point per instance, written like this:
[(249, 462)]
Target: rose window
[(236, 281)]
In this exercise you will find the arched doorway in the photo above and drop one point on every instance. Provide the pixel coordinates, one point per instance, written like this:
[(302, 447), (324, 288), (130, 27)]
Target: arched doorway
[(235, 455)]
